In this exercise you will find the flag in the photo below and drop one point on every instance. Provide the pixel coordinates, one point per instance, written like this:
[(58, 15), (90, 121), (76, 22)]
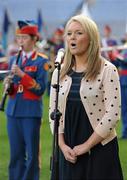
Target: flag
[(126, 27), (85, 9), (78, 8), (5, 28), (6, 22), (39, 21), (82, 8), (41, 25), (76, 11)]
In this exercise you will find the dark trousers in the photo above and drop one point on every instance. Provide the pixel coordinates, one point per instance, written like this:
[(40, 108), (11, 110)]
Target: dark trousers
[(124, 110), (24, 135)]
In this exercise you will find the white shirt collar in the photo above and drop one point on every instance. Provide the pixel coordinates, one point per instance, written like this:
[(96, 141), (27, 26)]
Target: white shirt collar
[(29, 54)]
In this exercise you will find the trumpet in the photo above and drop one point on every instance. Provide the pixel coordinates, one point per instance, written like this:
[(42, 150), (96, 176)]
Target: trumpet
[(111, 48), (9, 85)]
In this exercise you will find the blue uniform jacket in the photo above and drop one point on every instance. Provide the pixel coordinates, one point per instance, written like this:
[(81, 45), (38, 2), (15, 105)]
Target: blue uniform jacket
[(122, 68), (26, 97)]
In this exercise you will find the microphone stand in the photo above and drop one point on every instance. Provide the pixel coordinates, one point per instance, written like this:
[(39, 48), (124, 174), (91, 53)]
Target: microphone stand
[(55, 115)]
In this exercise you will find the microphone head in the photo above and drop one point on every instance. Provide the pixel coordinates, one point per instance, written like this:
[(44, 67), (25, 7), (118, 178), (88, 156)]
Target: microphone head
[(61, 51), (20, 48), (59, 56)]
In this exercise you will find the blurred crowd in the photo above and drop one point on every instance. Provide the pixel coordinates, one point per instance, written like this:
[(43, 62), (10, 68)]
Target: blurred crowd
[(116, 52), (51, 46)]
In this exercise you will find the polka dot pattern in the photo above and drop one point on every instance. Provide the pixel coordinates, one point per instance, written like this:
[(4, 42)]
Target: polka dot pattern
[(101, 100)]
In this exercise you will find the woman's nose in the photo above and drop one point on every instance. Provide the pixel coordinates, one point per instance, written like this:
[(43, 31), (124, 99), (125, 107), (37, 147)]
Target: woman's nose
[(73, 36)]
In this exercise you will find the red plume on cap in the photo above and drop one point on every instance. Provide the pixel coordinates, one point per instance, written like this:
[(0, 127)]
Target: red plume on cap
[(28, 30), (59, 31), (27, 27)]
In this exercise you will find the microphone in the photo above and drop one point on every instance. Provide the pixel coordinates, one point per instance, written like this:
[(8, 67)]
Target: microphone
[(60, 56)]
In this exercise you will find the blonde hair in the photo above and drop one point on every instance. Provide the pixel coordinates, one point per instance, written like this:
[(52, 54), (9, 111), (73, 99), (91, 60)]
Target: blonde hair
[(93, 52)]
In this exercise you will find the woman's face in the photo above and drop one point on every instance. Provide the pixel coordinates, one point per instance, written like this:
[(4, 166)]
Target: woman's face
[(25, 41), (77, 39)]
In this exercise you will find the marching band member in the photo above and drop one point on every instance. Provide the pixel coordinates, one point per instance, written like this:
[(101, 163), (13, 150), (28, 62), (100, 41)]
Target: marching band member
[(24, 108), (121, 64), (108, 40)]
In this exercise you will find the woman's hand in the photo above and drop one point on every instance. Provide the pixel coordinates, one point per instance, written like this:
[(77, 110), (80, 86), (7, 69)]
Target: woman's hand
[(7, 80), (69, 153), (81, 149), (17, 71)]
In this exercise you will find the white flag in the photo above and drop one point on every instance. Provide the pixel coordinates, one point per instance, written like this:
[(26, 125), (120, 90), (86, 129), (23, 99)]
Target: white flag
[(85, 10)]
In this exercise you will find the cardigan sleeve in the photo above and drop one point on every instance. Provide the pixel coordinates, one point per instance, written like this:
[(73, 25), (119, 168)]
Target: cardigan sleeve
[(52, 100), (61, 101), (52, 103), (112, 102)]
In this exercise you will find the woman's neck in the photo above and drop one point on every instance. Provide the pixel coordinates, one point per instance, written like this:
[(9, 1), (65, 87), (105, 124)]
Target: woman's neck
[(80, 64)]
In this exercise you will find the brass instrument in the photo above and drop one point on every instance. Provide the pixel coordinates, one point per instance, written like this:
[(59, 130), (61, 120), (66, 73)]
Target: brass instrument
[(111, 48)]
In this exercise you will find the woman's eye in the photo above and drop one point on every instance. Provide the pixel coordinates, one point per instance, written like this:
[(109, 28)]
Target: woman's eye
[(69, 33), (79, 32), (74, 33)]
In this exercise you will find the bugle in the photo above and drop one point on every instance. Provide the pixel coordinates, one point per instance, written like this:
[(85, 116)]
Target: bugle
[(111, 48)]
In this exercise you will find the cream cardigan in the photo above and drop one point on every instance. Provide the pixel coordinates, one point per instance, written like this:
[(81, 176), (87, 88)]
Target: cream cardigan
[(101, 100)]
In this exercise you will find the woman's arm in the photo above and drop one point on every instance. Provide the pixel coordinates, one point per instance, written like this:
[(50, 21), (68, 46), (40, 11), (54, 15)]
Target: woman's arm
[(69, 153), (93, 140)]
